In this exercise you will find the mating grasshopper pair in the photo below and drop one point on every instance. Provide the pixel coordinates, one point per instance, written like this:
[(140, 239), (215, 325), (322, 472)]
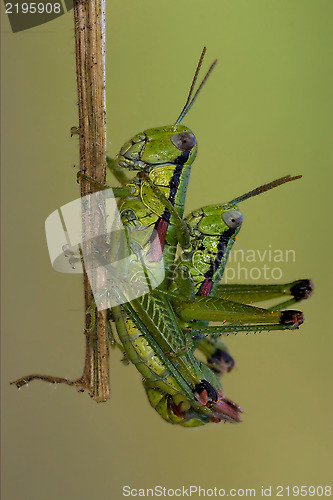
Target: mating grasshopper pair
[(162, 330)]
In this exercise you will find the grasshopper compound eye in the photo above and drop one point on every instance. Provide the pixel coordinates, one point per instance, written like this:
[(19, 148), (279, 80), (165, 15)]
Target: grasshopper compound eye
[(184, 141), (232, 218)]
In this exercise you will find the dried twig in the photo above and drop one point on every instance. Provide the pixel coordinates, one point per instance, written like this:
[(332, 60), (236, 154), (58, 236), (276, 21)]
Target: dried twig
[(89, 17)]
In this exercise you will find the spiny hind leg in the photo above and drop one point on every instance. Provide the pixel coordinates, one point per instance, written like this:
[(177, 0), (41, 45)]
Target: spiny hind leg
[(235, 316), (298, 290)]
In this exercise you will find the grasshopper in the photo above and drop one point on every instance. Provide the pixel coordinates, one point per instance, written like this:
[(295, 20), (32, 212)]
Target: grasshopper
[(155, 199), (161, 330), (212, 232)]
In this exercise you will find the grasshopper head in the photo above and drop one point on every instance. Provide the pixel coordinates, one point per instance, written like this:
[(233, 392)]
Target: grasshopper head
[(171, 144), (175, 144), (216, 220)]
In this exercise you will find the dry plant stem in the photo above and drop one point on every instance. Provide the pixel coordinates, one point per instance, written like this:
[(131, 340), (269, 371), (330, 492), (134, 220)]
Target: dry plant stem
[(89, 19), (90, 69)]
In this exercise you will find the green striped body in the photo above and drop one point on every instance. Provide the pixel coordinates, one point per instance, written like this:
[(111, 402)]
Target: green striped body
[(164, 392), (145, 211), (165, 166), (168, 344)]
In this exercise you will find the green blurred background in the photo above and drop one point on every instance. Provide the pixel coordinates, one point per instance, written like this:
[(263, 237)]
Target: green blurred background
[(265, 112)]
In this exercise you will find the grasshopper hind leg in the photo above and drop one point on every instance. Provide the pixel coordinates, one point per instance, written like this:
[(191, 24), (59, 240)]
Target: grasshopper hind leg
[(247, 294)]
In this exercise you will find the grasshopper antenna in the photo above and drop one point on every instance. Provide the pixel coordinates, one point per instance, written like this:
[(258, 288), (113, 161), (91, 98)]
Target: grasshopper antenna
[(263, 188), (189, 103)]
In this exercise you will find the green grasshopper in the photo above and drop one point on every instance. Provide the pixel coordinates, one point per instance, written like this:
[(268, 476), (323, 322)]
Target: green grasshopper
[(154, 199), (212, 232), (167, 325)]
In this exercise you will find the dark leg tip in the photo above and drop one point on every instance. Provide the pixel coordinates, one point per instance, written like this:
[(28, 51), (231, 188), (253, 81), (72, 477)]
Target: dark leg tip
[(291, 317), (302, 289), (205, 392), (221, 361)]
